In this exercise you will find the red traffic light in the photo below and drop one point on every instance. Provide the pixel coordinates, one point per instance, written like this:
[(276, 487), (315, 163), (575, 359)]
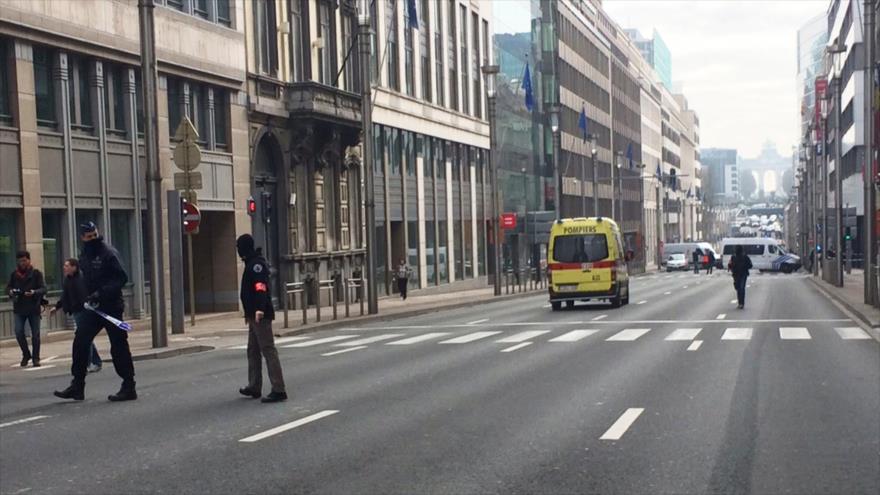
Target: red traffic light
[(251, 206)]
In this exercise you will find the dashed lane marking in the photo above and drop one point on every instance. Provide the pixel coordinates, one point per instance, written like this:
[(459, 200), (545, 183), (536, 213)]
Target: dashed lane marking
[(22, 421), (667, 293), (622, 424), (325, 340), (627, 335), (600, 317), (721, 316), (794, 333), (471, 337), (573, 336), (287, 340), (476, 322), (735, 333), (695, 345), (522, 336), (852, 333), (625, 322), (288, 426), (641, 302), (517, 347), (419, 338), (38, 368), (369, 340), (343, 351)]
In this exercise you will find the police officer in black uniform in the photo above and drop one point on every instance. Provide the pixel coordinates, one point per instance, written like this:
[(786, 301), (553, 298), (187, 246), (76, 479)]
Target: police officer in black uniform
[(256, 299), (104, 278)]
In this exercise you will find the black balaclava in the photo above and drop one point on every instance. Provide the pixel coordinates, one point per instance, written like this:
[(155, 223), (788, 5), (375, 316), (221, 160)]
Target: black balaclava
[(245, 246)]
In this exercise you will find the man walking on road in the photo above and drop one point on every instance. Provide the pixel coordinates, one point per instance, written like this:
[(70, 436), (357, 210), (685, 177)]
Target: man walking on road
[(256, 299), (104, 278), (403, 274), (711, 264), (73, 296), (26, 289), (740, 264)]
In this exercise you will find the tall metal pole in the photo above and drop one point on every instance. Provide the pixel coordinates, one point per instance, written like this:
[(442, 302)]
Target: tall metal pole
[(491, 72), (556, 175), (838, 188), (149, 76), (595, 180), (870, 246), (582, 191), (364, 48)]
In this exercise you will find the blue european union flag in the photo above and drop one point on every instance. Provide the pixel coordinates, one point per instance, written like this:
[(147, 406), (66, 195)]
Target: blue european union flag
[(527, 87), (629, 154), (582, 122), (413, 14)]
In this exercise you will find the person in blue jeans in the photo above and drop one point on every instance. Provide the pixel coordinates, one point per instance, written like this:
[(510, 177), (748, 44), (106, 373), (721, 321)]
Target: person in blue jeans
[(739, 265), (73, 295), (26, 288)]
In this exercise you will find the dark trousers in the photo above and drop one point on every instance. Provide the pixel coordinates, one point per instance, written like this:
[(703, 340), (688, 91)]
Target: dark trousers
[(89, 324), (696, 267), (33, 322), (709, 267), (739, 283), (261, 344), (94, 357), (401, 286)]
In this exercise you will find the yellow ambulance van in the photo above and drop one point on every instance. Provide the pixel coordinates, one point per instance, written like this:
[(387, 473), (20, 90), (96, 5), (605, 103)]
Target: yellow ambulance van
[(586, 262)]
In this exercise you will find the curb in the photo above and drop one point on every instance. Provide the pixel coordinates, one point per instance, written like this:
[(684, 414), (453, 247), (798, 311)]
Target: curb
[(344, 322), (859, 316), (168, 353)]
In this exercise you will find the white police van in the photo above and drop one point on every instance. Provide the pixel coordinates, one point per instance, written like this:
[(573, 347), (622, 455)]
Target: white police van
[(766, 254)]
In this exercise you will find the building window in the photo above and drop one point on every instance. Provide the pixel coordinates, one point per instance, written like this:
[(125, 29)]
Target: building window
[(409, 61), (378, 150), (221, 118), (395, 150), (175, 92), (53, 246), (443, 258), (198, 111), (114, 99), (475, 65), (175, 4), (351, 61), (451, 63), (9, 241), (139, 102), (224, 13), (374, 55), (326, 66), (296, 31), (265, 37), (80, 94), (391, 36), (439, 75), (5, 74), (200, 8), (120, 228), (44, 87), (425, 49), (462, 47)]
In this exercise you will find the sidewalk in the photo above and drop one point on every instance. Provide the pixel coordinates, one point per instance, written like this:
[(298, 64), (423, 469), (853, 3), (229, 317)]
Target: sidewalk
[(225, 329), (851, 296)]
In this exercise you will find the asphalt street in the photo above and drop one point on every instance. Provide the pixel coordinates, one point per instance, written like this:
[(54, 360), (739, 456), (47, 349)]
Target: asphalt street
[(679, 392)]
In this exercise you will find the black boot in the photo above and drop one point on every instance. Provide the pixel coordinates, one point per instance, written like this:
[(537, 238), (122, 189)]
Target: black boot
[(274, 397), (74, 391), (249, 392), (24, 360), (126, 392)]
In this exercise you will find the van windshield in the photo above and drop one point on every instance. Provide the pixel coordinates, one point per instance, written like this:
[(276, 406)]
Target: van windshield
[(580, 248)]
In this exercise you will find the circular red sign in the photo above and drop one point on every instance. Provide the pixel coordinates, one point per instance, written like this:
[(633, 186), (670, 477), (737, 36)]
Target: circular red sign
[(191, 217)]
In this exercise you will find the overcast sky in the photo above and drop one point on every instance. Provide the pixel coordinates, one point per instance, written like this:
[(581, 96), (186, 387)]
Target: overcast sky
[(736, 60)]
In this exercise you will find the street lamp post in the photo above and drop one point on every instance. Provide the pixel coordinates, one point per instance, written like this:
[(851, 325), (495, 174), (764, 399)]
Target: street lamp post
[(364, 48), (554, 127), (835, 52), (490, 72), (616, 186), (593, 152), (870, 235)]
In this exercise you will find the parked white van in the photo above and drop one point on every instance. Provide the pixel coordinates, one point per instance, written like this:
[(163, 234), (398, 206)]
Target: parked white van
[(766, 254)]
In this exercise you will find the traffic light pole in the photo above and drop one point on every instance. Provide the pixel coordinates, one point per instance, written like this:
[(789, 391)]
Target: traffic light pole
[(364, 46), (870, 235)]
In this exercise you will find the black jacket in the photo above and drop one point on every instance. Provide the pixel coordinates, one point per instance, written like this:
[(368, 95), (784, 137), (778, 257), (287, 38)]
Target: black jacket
[(740, 265), (73, 294), (104, 276), (31, 280), (256, 290)]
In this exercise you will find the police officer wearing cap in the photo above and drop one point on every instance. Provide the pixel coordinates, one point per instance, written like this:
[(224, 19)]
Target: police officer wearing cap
[(256, 299), (104, 277)]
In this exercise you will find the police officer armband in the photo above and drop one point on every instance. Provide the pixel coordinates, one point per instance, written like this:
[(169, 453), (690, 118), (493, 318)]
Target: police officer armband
[(260, 287)]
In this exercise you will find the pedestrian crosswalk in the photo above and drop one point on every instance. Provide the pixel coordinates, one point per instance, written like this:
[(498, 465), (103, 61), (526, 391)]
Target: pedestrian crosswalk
[(719, 331)]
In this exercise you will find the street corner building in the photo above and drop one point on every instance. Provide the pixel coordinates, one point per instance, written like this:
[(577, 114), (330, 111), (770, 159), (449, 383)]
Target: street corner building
[(272, 89)]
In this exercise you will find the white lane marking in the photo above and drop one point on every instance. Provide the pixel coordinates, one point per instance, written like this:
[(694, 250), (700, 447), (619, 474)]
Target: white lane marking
[(684, 334), (288, 426), (522, 336), (794, 333), (852, 333), (573, 336), (419, 338), (622, 424), (50, 358), (38, 368), (625, 322), (21, 421), (517, 347), (325, 340), (735, 333), (287, 340), (238, 347), (695, 345), (343, 351), (641, 302), (721, 316), (733, 301), (629, 334), (464, 339), (667, 293), (547, 306), (600, 317), (369, 340), (685, 287), (475, 322)]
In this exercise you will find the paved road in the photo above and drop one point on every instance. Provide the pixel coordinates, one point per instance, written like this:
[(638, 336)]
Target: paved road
[(681, 393)]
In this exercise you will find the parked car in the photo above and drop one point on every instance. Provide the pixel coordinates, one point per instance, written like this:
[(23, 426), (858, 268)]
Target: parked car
[(676, 261)]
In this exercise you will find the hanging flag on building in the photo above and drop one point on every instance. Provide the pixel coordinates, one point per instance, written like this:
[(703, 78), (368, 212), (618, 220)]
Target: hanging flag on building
[(659, 172), (582, 122), (629, 154), (413, 14), (527, 87)]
